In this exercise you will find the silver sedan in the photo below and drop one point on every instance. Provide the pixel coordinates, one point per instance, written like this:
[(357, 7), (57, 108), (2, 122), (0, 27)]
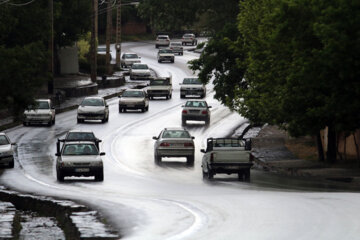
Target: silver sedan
[(174, 142), (196, 111)]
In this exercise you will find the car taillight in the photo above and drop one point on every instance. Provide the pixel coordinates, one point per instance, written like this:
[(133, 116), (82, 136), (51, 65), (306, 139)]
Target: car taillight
[(188, 144), (204, 112), (165, 144), (184, 112)]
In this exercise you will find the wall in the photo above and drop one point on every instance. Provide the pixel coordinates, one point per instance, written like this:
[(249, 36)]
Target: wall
[(69, 61)]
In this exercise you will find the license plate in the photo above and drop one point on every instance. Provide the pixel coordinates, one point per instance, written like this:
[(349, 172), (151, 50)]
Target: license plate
[(82, 170), (177, 145), (131, 105)]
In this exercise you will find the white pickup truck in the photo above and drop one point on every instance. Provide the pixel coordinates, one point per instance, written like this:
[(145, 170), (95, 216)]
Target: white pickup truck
[(227, 155)]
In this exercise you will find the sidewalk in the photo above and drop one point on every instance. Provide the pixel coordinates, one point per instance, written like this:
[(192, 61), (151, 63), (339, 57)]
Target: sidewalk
[(270, 154)]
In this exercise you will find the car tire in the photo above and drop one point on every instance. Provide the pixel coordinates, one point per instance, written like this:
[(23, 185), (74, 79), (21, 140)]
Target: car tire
[(25, 124), (167, 97), (11, 164), (210, 175), (147, 108), (79, 120), (190, 160), (183, 122), (247, 175), (103, 120), (60, 176), (172, 61), (159, 61), (99, 177), (53, 121), (207, 122), (170, 95), (241, 175), (157, 159), (49, 123), (182, 96)]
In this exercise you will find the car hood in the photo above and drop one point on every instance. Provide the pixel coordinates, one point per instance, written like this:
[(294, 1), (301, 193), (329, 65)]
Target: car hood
[(192, 86), (5, 148), (37, 111), (131, 99), (159, 87), (81, 158), (166, 54), (91, 109), (140, 71)]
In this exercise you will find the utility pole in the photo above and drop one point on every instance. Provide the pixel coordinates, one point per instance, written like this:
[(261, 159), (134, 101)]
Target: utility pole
[(118, 34), (93, 43), (96, 2), (108, 36), (51, 48)]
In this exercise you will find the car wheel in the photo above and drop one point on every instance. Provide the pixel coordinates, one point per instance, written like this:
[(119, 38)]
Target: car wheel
[(170, 95), (204, 174), (183, 122), (147, 108), (247, 175), (157, 159), (172, 61), (11, 164), (207, 122), (25, 123), (49, 123), (53, 122), (182, 96), (241, 175), (79, 120), (103, 120), (210, 174), (159, 61), (99, 177), (143, 109), (190, 160), (59, 176), (167, 96)]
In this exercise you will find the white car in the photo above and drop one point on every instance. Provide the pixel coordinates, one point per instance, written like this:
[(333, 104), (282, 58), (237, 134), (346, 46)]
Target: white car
[(133, 99), (162, 41), (176, 47), (6, 151), (160, 87), (195, 110), (189, 38), (140, 71), (192, 86), (79, 159), (93, 108), (166, 55), (174, 142), (128, 59), (43, 112)]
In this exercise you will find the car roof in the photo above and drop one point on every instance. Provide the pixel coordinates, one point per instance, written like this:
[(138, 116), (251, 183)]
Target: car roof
[(80, 130), (134, 90), (139, 64), (94, 98), (163, 35), (42, 99), (175, 42), (195, 101), (129, 53), (175, 128), (3, 134), (78, 142)]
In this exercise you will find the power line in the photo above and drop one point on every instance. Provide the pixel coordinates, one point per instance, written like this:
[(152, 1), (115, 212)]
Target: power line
[(17, 4)]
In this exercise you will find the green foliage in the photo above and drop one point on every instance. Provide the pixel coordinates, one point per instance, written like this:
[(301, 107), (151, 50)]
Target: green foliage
[(84, 47), (22, 74)]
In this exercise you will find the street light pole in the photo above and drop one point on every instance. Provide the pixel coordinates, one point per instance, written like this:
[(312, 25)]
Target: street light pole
[(118, 34), (51, 48), (93, 58)]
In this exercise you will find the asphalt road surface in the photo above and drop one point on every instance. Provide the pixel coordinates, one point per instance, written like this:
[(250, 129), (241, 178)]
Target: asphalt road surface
[(146, 201)]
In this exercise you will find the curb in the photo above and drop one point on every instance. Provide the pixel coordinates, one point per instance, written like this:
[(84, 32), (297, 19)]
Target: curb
[(72, 218)]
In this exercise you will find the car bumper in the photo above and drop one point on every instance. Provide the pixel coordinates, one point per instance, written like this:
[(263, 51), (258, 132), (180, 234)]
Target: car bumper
[(196, 117), (132, 106), (6, 160), (175, 152), (38, 120), (140, 76), (229, 167), (80, 171), (158, 93), (192, 92), (91, 116), (166, 58)]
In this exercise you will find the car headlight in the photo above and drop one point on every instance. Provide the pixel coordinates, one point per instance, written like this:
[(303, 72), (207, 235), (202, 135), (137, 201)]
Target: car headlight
[(97, 163), (7, 153)]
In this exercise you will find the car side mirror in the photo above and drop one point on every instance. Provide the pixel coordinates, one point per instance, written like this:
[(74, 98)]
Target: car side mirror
[(192, 137), (180, 83), (14, 144), (57, 154), (248, 144), (203, 151), (119, 96), (155, 138), (182, 105), (102, 154), (209, 106), (107, 106)]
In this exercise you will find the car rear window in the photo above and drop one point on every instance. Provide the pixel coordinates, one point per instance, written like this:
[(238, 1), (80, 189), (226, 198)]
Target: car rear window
[(200, 104), (3, 140), (139, 66), (165, 51), (133, 94), (162, 37), (80, 136), (175, 134), (131, 56), (80, 149), (92, 102), (159, 82), (228, 143), (191, 81)]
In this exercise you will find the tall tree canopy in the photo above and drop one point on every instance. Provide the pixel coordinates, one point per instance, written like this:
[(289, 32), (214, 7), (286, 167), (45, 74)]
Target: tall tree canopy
[(302, 65)]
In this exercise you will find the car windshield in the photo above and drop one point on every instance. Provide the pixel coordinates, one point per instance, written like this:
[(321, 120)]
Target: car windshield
[(4, 140), (159, 82), (140, 66), (175, 44), (40, 105), (92, 102), (192, 81), (139, 94), (131, 55), (175, 134), (101, 49), (80, 136), (200, 104), (228, 143), (165, 51), (162, 37), (80, 149)]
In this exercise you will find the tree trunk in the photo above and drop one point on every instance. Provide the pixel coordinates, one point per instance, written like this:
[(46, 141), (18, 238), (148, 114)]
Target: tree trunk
[(320, 147), (331, 150)]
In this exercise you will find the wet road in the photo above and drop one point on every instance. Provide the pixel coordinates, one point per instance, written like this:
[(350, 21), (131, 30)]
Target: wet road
[(145, 201)]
